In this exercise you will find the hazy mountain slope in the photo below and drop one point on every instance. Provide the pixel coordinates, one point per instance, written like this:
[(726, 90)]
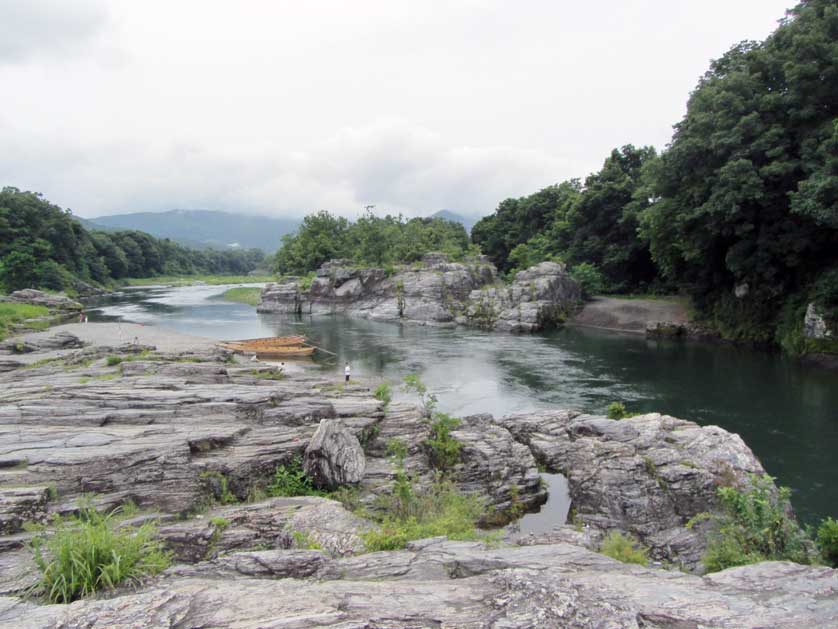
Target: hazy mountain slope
[(449, 215), (204, 227)]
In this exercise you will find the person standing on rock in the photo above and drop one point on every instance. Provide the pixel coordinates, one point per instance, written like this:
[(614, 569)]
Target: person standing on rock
[(346, 371)]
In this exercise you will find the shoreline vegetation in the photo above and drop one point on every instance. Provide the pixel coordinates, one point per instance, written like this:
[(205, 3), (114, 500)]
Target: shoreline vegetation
[(249, 295), (191, 280)]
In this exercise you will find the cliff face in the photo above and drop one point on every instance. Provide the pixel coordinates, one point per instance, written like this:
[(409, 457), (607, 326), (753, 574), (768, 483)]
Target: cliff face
[(437, 292)]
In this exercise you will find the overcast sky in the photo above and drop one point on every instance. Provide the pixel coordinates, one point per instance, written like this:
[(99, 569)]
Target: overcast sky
[(286, 106)]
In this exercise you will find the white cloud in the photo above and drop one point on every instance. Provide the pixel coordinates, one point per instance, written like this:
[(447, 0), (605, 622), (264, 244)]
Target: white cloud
[(43, 28), (284, 107)]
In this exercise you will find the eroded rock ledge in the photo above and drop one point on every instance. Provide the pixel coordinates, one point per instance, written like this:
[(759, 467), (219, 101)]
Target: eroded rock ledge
[(435, 292), (162, 429)]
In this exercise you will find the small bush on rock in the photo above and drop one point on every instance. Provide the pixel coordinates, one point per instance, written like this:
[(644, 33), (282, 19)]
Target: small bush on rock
[(756, 526), (828, 541), (291, 480), (87, 553), (383, 393), (443, 449), (624, 548), (617, 410)]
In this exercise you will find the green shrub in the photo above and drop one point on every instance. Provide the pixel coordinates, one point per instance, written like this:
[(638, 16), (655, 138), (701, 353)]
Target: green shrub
[(624, 548), (617, 410), (413, 384), (383, 393), (443, 449), (87, 553), (828, 541), (755, 526), (411, 515), (291, 480), (305, 541), (219, 486), (589, 278), (306, 281), (113, 361)]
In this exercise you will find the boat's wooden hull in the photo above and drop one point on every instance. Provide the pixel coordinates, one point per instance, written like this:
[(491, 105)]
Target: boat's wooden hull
[(279, 341), (291, 352)]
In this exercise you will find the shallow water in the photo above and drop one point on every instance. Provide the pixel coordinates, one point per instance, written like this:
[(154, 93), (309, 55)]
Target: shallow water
[(787, 413)]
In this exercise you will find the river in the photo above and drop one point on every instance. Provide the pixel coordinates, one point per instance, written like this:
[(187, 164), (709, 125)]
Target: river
[(787, 413)]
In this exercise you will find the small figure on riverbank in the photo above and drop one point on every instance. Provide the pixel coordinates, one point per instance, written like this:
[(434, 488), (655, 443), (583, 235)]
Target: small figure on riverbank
[(254, 359), (346, 372), (81, 317)]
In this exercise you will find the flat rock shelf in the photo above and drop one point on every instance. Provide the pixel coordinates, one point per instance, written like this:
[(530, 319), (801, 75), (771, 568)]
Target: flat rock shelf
[(156, 425)]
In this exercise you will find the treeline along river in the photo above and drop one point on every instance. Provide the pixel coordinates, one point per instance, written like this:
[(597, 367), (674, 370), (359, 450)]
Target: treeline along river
[(787, 413)]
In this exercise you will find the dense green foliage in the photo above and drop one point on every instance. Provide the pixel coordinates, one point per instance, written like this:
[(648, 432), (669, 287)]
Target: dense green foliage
[(371, 241), (88, 553), (443, 448), (11, 314), (617, 410), (43, 246), (291, 480), (755, 526), (748, 190), (745, 196), (383, 393), (592, 226), (624, 548), (827, 539)]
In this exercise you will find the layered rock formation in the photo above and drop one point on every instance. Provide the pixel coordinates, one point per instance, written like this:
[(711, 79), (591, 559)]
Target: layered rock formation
[(436, 292), (178, 432)]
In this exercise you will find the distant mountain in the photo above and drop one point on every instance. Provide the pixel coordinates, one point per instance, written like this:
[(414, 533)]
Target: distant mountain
[(203, 228), (448, 215)]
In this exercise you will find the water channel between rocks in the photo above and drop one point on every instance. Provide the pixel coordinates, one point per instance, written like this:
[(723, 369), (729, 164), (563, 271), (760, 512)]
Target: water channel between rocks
[(787, 413)]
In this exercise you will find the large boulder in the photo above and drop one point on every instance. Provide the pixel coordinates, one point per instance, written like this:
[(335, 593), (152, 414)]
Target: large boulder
[(40, 298), (334, 456)]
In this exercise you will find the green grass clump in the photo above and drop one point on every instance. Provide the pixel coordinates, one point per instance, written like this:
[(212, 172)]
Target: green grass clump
[(305, 540), (267, 374), (755, 526), (188, 280), (616, 410), (11, 314), (624, 548), (411, 515), (383, 393), (306, 281), (250, 295), (291, 480), (87, 553), (113, 361), (443, 448), (828, 541)]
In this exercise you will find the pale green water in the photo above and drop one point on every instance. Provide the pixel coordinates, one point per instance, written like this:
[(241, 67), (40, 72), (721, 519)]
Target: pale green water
[(787, 413)]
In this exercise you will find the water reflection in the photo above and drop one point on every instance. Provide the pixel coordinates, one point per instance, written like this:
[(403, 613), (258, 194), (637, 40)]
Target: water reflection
[(787, 413)]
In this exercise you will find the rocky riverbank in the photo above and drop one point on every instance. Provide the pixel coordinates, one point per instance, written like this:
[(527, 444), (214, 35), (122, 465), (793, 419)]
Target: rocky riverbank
[(434, 292), (181, 429)]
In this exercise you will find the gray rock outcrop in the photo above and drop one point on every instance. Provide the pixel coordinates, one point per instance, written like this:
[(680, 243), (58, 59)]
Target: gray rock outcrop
[(169, 431), (334, 456), (435, 292), (40, 298), (815, 325), (647, 474), (451, 584)]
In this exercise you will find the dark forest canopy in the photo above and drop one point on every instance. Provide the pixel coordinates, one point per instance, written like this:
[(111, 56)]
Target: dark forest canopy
[(745, 196), (371, 240), (43, 246)]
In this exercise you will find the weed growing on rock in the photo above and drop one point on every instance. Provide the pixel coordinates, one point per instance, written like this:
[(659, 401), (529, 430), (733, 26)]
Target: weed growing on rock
[(305, 540), (413, 384), (443, 449), (617, 410), (624, 548), (755, 526), (113, 361), (383, 393), (87, 553), (828, 541), (291, 480), (219, 486)]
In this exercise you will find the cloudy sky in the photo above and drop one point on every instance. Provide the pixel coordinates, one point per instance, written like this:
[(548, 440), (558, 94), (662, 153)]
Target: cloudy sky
[(287, 106)]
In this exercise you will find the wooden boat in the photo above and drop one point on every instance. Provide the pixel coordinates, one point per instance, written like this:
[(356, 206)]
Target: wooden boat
[(273, 341), (288, 352), (271, 347)]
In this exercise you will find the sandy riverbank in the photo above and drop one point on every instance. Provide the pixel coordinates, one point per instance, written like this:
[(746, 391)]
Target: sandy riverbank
[(630, 315)]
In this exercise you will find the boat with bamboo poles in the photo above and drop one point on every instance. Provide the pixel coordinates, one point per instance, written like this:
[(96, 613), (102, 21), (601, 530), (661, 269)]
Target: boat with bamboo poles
[(271, 347)]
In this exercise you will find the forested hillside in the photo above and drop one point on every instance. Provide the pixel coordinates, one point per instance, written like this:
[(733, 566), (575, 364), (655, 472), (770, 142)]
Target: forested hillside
[(43, 246), (371, 240), (740, 211)]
